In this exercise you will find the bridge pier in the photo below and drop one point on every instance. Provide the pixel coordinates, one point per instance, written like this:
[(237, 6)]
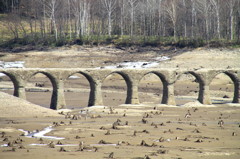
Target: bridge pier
[(20, 92), (19, 88), (132, 78), (236, 92), (132, 93), (95, 98), (204, 94), (58, 99), (168, 94)]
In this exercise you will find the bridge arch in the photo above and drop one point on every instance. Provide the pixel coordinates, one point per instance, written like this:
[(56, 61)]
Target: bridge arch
[(159, 74), (230, 74), (121, 73), (235, 81), (198, 76), (48, 75), (131, 77), (157, 86), (44, 91), (119, 86), (90, 83), (189, 88), (14, 81)]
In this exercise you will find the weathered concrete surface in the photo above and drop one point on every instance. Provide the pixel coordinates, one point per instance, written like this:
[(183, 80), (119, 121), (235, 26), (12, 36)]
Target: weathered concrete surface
[(132, 77)]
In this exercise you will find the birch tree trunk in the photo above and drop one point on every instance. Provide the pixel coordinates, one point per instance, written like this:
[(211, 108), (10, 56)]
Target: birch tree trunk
[(185, 19), (231, 5), (53, 18), (132, 19), (133, 5), (110, 6), (122, 11), (51, 9), (159, 16), (203, 8), (215, 4), (69, 19), (193, 18), (81, 10), (171, 10)]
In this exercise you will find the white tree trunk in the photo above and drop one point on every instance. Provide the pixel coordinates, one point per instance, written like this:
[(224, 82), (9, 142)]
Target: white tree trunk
[(215, 4), (171, 10), (174, 20), (203, 7), (110, 6), (44, 17), (51, 11), (185, 23), (109, 24), (81, 10), (218, 23), (231, 18), (159, 16), (207, 29), (122, 16), (69, 19), (133, 5), (53, 7), (132, 19), (193, 18)]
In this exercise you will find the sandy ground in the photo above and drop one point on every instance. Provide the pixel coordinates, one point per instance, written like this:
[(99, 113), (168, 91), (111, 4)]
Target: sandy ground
[(90, 57), (166, 130), (21, 108)]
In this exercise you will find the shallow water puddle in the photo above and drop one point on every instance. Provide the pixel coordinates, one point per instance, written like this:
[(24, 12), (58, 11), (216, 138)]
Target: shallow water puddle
[(4, 145), (40, 134), (67, 145), (103, 144), (217, 153)]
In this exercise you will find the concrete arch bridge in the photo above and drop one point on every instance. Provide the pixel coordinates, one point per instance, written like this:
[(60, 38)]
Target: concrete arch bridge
[(132, 78)]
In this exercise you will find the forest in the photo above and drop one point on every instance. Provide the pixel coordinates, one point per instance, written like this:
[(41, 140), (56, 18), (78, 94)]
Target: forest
[(182, 23)]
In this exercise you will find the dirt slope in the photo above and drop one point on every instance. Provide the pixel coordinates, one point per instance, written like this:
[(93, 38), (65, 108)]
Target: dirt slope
[(11, 106)]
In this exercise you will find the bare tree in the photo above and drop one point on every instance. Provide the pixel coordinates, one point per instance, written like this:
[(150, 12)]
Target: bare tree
[(207, 19), (51, 7), (171, 10), (216, 7), (159, 5), (123, 14), (203, 7), (110, 6), (81, 11), (193, 17), (133, 5), (185, 19), (69, 19), (231, 5), (13, 25)]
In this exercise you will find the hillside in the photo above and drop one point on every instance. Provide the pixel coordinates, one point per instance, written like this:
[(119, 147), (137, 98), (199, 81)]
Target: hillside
[(11, 106)]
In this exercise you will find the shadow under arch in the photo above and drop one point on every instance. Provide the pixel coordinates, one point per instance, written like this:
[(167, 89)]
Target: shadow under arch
[(188, 84), (119, 85), (13, 80), (230, 88), (89, 84), (157, 85), (41, 85)]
